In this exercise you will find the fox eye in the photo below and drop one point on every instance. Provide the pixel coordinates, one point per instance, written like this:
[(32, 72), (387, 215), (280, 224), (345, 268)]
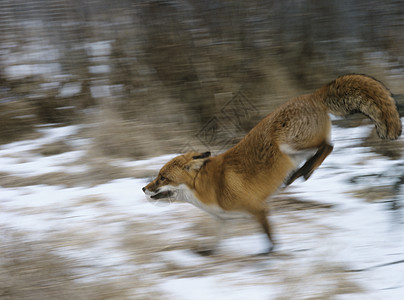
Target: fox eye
[(162, 178)]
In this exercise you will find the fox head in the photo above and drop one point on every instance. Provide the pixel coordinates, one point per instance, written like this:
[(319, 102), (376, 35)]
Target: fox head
[(181, 170)]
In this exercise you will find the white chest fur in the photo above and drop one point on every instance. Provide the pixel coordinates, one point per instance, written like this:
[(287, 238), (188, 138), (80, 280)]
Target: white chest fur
[(187, 195)]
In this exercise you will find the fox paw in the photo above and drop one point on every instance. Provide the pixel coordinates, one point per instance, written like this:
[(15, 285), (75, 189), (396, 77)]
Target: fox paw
[(208, 252), (203, 251)]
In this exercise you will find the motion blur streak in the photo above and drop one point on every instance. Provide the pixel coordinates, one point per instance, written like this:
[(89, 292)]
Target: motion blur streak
[(96, 95)]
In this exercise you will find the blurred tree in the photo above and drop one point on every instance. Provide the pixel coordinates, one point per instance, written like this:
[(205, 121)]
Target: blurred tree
[(165, 61)]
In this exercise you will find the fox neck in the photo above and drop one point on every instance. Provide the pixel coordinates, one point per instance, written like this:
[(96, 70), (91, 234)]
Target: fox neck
[(202, 181)]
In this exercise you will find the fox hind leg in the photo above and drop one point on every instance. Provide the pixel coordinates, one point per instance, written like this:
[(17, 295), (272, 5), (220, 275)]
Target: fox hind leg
[(312, 163)]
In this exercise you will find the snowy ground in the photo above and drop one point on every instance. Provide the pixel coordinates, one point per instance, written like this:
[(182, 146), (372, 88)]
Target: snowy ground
[(340, 235)]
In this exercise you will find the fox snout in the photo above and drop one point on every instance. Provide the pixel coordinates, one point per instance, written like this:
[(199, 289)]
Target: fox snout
[(146, 190), (157, 193), (149, 189)]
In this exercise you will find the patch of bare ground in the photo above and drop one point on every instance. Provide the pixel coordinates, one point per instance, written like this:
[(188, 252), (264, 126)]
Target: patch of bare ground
[(286, 202), (390, 149), (30, 270), (95, 173), (324, 280), (53, 178), (375, 194), (17, 121), (114, 136), (55, 148)]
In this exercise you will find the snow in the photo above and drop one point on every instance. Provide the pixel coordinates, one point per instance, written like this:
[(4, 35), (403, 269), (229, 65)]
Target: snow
[(364, 237), (100, 91), (30, 164), (70, 89), (214, 288), (25, 70), (42, 165), (184, 258), (100, 69), (102, 48)]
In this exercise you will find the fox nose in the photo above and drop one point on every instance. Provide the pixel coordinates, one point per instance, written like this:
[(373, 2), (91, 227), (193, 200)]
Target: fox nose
[(143, 189)]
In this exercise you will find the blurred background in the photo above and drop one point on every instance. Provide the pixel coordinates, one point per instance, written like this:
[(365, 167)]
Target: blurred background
[(152, 74), (91, 90)]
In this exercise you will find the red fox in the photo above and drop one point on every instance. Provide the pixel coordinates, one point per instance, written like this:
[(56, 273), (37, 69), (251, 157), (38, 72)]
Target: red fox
[(240, 180)]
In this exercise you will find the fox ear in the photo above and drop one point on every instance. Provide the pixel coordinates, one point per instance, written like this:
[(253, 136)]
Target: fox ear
[(197, 161), (202, 155)]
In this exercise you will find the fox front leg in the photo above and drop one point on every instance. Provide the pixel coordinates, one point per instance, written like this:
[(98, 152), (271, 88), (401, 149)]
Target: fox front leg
[(211, 248)]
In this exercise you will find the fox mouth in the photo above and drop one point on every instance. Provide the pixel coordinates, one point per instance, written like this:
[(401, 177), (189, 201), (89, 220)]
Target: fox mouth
[(161, 195)]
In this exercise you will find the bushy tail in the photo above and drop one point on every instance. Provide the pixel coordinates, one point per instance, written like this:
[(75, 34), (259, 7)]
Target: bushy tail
[(350, 94)]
